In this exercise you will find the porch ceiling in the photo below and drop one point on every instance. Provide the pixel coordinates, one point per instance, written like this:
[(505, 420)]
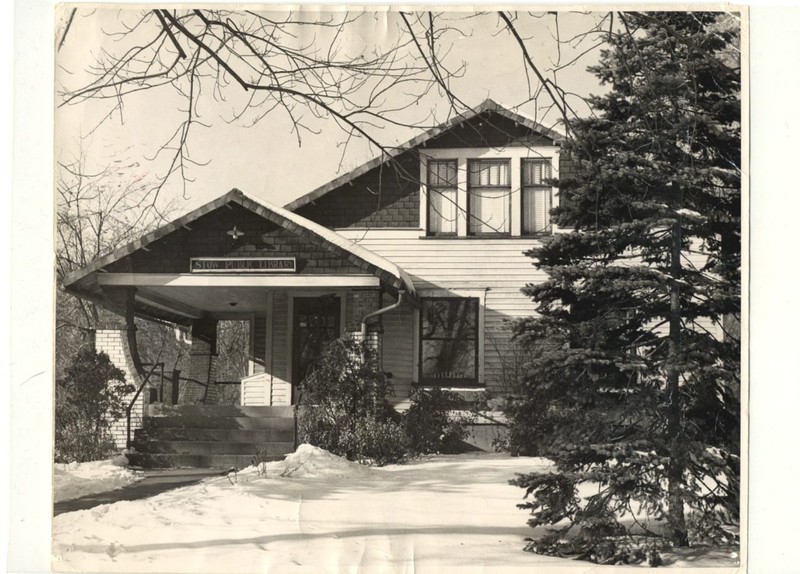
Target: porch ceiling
[(196, 302)]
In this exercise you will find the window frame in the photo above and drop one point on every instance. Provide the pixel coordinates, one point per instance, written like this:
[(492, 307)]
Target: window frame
[(450, 382), (549, 227), (510, 188), (428, 231)]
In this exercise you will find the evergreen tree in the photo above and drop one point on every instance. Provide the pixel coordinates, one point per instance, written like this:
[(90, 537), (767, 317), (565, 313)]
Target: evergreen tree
[(637, 389)]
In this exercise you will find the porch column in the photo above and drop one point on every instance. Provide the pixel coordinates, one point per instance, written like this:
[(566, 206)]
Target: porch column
[(197, 386), (360, 303), (112, 339)]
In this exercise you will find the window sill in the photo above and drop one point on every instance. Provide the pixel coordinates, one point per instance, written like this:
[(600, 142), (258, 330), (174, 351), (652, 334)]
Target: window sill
[(449, 386)]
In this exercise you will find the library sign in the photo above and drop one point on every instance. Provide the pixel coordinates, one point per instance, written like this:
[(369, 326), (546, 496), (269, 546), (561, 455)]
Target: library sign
[(243, 265)]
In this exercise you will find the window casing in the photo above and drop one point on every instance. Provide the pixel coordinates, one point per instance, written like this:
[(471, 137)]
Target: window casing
[(489, 197), (537, 196), (448, 341), (442, 197)]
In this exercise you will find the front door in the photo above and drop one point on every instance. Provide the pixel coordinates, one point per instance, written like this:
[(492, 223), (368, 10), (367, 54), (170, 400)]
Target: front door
[(316, 323)]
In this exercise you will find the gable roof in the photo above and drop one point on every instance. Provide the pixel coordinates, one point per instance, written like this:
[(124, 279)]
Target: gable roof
[(80, 280), (487, 105)]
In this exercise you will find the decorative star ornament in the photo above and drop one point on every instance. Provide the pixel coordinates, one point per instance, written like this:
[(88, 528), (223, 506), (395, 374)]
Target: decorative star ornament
[(235, 233)]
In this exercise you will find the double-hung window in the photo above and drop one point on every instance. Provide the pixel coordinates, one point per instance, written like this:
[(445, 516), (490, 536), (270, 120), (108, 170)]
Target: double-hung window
[(442, 197), (489, 197), (537, 196), (449, 341)]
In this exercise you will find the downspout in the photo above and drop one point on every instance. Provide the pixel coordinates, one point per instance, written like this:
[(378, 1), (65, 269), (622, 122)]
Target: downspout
[(379, 312)]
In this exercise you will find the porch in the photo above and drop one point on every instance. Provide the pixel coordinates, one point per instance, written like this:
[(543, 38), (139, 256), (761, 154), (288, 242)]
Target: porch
[(296, 284)]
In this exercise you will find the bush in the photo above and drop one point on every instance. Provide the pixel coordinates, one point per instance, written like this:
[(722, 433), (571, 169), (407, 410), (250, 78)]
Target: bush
[(343, 406), (431, 425), (88, 399), (531, 427), (377, 441)]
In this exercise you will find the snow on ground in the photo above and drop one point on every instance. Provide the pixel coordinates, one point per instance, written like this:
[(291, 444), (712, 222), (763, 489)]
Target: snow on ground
[(77, 479), (315, 512)]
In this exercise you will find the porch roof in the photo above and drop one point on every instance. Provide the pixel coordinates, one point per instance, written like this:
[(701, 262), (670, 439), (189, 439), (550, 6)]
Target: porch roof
[(86, 282)]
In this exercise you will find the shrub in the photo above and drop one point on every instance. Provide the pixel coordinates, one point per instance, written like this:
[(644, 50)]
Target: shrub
[(377, 441), (431, 425), (343, 406), (89, 398)]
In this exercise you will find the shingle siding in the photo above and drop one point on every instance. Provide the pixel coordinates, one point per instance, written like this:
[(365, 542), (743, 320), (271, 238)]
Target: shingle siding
[(387, 196), (208, 237), (488, 130)]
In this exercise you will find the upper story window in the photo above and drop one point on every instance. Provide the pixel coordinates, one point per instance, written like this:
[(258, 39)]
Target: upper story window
[(442, 196), (488, 192), (489, 199), (537, 195)]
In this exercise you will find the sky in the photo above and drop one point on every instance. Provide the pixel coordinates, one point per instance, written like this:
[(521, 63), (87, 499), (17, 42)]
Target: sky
[(266, 159)]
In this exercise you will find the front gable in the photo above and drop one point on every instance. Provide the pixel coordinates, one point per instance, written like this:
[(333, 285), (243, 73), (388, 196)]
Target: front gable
[(385, 193), (211, 235)]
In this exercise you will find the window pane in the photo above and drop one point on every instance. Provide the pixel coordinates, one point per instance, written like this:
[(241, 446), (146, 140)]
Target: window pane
[(449, 332), (486, 173), (535, 171), (442, 211), (489, 210), (448, 359), (449, 318), (442, 185), (536, 195), (442, 173), (536, 204)]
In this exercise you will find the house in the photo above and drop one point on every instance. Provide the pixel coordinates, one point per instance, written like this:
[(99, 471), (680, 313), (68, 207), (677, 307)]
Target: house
[(421, 255)]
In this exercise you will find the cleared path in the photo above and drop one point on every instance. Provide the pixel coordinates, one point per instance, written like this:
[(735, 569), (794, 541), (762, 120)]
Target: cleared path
[(155, 482)]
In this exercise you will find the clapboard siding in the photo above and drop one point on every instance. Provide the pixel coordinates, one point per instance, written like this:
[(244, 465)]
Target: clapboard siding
[(496, 264), (497, 267)]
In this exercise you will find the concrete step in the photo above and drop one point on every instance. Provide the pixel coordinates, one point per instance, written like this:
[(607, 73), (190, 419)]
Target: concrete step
[(221, 461), (151, 446), (220, 411), (215, 434), (219, 422)]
